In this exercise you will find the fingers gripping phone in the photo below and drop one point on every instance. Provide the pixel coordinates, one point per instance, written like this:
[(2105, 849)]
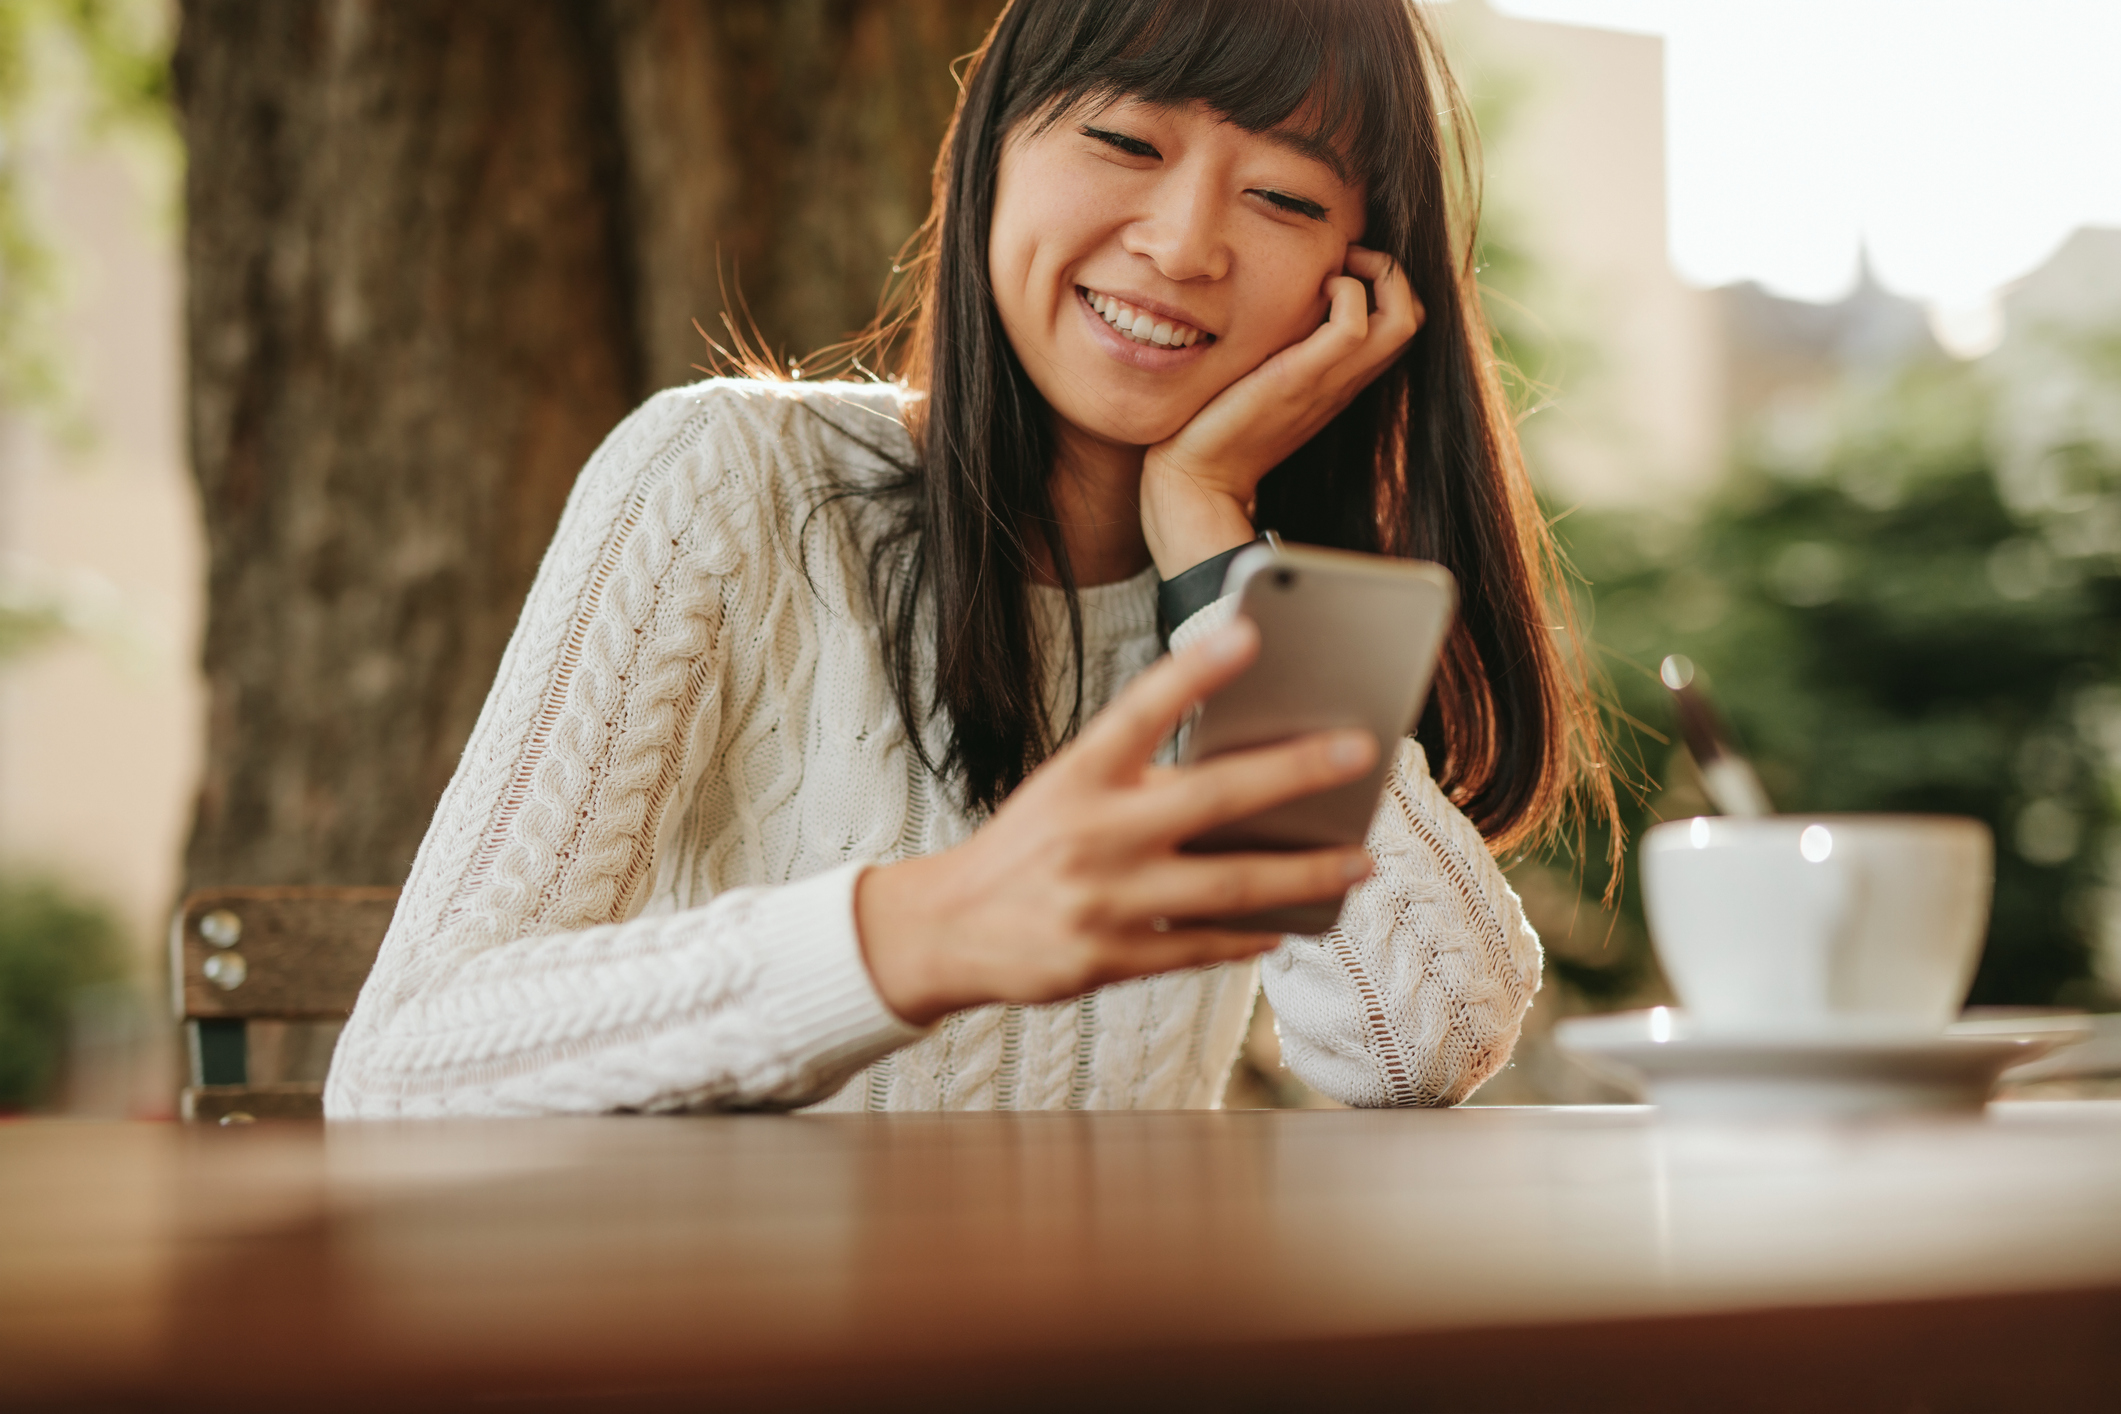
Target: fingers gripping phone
[(1346, 640)]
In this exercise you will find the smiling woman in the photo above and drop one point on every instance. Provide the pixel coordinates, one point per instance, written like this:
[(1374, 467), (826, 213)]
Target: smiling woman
[(825, 766)]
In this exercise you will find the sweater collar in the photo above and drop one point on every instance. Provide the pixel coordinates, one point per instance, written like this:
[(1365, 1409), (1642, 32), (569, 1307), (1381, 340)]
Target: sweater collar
[(1113, 614)]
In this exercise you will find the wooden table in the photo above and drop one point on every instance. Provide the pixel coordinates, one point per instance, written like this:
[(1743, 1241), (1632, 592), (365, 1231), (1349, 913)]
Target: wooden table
[(1476, 1259)]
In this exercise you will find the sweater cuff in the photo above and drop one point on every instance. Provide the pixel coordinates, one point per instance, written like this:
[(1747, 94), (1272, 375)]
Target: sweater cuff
[(1203, 621), (1189, 591), (813, 986)]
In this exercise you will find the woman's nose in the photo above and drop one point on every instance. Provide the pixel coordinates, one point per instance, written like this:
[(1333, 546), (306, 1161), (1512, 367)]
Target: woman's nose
[(1182, 231)]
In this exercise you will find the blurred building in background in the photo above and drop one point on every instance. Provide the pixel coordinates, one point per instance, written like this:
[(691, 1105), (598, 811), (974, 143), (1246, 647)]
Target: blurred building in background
[(2058, 373), (1783, 359), (1623, 358)]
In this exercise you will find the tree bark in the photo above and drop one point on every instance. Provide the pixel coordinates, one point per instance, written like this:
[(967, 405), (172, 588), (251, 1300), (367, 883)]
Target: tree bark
[(436, 249), (781, 148)]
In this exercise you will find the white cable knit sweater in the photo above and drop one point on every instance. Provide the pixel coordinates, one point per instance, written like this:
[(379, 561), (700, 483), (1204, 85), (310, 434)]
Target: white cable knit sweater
[(637, 891)]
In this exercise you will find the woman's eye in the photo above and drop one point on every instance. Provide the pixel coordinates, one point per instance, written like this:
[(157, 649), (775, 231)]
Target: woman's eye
[(1132, 146), (1295, 204)]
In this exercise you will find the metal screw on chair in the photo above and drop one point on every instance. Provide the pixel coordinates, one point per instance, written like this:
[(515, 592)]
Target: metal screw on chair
[(223, 929), (227, 970)]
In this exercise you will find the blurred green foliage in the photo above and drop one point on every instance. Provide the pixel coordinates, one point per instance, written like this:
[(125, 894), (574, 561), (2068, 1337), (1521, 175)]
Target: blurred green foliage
[(1533, 355), (1886, 633), (52, 946), (118, 54), (122, 50), (27, 621)]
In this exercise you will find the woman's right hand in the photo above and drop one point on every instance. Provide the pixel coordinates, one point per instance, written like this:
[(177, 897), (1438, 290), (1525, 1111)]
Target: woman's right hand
[(1078, 881)]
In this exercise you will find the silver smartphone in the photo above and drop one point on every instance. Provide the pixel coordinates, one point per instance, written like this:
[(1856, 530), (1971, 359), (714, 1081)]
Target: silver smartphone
[(1346, 640)]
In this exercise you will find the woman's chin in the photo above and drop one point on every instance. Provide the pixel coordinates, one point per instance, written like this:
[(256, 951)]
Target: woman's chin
[(1126, 429)]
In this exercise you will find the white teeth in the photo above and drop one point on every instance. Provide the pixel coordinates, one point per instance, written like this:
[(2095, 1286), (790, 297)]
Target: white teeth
[(1143, 328)]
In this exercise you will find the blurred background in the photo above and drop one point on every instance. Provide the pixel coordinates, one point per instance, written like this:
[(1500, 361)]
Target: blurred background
[(311, 309)]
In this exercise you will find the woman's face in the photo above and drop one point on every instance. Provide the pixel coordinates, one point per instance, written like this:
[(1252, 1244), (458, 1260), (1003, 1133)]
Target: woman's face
[(1210, 245)]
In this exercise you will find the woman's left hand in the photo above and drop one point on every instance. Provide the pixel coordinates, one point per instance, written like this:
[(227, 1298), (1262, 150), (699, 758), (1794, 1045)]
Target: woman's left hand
[(1198, 485)]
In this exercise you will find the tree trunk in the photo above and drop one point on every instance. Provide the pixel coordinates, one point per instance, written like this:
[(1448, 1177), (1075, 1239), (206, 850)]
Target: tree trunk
[(782, 147), (435, 250)]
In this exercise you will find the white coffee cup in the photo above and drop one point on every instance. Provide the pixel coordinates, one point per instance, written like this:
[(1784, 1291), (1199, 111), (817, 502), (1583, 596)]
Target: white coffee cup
[(1796, 924)]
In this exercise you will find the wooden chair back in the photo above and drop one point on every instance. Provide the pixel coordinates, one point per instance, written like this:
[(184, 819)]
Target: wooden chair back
[(239, 955)]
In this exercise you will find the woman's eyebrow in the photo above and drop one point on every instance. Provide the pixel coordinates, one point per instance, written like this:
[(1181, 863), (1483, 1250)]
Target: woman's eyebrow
[(1314, 146), (1310, 145)]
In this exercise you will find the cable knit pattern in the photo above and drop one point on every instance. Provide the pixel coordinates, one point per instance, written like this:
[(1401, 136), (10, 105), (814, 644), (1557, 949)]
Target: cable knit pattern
[(637, 893)]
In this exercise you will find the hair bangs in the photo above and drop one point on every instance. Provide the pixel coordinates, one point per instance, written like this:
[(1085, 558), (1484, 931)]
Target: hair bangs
[(1317, 70)]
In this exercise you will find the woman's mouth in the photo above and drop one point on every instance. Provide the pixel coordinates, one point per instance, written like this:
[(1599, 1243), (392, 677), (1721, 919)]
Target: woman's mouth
[(1139, 325)]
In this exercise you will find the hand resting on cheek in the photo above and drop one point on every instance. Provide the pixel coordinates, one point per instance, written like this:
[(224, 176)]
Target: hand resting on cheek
[(1197, 485)]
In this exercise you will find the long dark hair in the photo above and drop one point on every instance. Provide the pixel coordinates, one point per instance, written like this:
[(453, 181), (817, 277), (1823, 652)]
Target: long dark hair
[(1424, 463)]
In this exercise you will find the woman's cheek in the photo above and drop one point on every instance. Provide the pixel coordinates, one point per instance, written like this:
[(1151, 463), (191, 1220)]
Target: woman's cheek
[(1281, 329), (1310, 312)]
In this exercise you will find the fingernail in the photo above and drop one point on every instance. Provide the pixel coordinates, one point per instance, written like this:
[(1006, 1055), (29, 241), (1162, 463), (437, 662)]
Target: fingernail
[(1356, 867), (1350, 750)]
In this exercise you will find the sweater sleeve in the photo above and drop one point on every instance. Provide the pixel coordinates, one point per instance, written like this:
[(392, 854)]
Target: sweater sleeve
[(1418, 994), (517, 976)]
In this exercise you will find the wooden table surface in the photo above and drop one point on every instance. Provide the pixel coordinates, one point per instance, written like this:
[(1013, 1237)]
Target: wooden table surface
[(1470, 1259)]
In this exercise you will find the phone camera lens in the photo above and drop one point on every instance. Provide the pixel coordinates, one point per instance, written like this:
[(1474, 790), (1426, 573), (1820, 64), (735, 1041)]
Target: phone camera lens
[(1284, 579)]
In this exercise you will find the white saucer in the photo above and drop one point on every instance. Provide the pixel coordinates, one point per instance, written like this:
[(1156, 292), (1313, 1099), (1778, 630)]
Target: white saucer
[(1829, 1073)]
